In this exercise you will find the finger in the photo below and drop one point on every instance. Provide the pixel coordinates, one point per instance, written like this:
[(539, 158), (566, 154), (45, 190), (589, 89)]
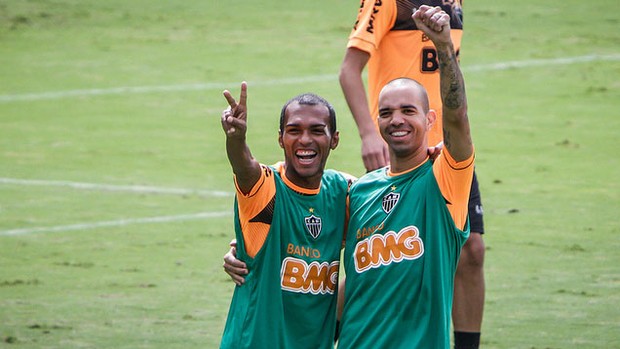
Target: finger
[(420, 16), (235, 124), (224, 119), (443, 21), (373, 162), (243, 96), (386, 155), (238, 280), (240, 272), (236, 274), (230, 99), (421, 9), (233, 243), (234, 263), (380, 160), (229, 122), (226, 113), (368, 165), (430, 15), (424, 10)]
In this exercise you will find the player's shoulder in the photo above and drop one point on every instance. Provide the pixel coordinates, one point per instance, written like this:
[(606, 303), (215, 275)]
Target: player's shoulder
[(371, 177), (339, 176)]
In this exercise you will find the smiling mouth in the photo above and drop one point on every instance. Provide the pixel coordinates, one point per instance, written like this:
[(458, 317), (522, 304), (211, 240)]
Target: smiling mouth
[(306, 156), (399, 133)]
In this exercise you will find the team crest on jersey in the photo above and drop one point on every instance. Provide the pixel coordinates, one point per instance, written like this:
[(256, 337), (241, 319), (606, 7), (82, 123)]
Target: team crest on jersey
[(389, 201), (314, 225)]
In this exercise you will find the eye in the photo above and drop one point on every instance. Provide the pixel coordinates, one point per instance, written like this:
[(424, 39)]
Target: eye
[(292, 131), (408, 111), (318, 131), (385, 113)]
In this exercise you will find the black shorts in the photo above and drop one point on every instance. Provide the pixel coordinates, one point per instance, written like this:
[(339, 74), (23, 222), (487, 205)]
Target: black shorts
[(476, 224)]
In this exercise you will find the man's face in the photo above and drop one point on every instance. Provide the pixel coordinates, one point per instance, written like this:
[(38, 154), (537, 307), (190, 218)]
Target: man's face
[(307, 141), (403, 122)]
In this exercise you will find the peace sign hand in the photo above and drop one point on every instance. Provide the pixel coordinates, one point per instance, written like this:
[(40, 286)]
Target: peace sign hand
[(234, 118)]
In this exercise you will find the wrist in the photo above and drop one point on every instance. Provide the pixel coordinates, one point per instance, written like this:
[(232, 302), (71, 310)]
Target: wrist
[(445, 46), (368, 133)]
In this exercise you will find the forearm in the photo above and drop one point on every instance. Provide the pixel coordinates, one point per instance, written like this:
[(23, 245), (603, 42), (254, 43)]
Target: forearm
[(457, 138), (451, 82), (244, 166), (355, 95)]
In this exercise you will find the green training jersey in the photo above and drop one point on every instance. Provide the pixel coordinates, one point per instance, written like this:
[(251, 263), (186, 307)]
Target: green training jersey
[(401, 253), (288, 299)]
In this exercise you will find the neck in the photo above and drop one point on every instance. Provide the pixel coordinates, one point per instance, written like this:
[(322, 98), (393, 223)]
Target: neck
[(301, 184), (404, 163)]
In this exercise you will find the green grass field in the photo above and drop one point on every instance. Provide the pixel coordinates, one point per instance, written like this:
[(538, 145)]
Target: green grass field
[(116, 195)]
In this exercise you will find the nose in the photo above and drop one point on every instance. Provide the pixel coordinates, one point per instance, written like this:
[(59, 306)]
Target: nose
[(305, 138), (397, 118)]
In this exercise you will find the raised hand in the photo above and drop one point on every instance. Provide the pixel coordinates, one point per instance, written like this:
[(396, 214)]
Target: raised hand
[(234, 118), (434, 22)]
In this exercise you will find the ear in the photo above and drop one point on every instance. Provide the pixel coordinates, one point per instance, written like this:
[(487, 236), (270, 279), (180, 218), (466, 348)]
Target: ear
[(335, 140), (280, 140), (431, 116)]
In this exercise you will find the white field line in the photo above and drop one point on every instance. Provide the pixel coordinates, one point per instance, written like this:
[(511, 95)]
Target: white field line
[(116, 223), (541, 62), (118, 188), (127, 90)]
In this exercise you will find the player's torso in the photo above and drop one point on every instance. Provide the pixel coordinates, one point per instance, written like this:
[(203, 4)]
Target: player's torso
[(400, 246), (289, 297)]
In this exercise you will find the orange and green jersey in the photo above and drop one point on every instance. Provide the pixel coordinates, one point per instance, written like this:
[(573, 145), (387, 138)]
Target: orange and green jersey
[(402, 248), (290, 238), (385, 30)]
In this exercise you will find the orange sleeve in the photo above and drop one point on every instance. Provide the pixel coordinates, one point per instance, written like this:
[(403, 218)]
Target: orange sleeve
[(454, 179), (254, 205), (374, 20)]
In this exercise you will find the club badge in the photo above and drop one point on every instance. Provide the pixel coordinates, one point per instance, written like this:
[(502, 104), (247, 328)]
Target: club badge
[(314, 225), (389, 201)]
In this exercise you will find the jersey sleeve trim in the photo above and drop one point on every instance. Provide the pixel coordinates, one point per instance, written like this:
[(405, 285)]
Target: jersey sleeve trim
[(454, 179), (254, 204)]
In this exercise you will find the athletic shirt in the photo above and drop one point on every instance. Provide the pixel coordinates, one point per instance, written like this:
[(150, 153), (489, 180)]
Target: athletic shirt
[(288, 299), (397, 48), (401, 252)]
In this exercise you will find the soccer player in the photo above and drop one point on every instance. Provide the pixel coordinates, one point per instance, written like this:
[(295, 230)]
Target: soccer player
[(386, 39), (408, 221), (289, 225)]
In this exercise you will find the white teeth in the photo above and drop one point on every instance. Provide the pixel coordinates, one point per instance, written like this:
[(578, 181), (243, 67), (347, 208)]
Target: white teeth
[(305, 153), (399, 133)]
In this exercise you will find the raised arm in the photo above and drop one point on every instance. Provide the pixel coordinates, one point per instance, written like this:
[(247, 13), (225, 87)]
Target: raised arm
[(456, 134), (374, 149), (234, 122)]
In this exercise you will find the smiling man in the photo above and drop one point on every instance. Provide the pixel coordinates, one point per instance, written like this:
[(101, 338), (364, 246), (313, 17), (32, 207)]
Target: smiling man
[(408, 221), (289, 224)]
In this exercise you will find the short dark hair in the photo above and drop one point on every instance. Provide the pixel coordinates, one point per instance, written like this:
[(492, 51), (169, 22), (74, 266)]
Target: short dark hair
[(310, 99), (411, 82)]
